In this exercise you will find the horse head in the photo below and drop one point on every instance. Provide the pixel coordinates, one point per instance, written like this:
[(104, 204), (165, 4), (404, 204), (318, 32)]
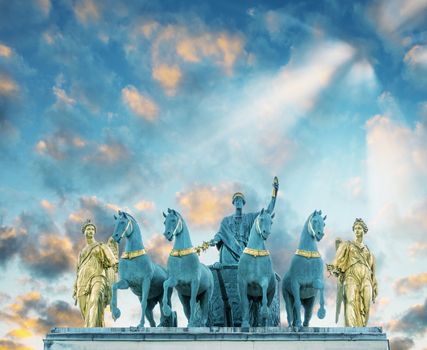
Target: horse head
[(316, 224), (123, 226), (173, 224), (263, 223)]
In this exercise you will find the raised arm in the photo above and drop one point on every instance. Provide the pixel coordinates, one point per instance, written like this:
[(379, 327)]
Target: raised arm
[(273, 195)]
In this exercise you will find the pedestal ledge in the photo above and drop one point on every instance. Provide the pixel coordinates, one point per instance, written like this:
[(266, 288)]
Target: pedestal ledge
[(216, 338)]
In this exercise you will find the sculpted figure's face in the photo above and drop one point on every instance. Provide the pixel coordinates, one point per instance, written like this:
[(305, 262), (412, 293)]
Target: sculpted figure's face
[(358, 231), (89, 231), (238, 202)]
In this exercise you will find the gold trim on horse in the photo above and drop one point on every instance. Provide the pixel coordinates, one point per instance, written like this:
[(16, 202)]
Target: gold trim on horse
[(183, 252), (133, 254), (256, 252), (307, 253)]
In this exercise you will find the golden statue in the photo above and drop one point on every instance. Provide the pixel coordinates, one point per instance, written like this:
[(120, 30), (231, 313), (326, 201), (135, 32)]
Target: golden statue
[(96, 272), (354, 265)]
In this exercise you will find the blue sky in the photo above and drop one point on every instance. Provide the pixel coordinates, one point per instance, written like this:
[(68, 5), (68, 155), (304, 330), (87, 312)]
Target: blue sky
[(143, 106)]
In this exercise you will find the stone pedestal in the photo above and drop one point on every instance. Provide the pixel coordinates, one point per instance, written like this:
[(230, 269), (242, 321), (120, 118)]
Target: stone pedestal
[(216, 338)]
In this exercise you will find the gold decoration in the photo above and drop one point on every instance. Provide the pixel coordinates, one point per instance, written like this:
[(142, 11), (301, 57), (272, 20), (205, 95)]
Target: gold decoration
[(183, 252), (202, 248), (256, 252), (133, 254), (307, 253)]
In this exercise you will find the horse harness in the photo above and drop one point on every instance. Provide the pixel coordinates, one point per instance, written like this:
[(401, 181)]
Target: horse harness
[(310, 254), (133, 254)]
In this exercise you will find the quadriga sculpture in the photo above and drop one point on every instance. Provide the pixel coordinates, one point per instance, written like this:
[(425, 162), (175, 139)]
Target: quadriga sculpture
[(138, 272), (192, 280), (256, 278), (305, 276)]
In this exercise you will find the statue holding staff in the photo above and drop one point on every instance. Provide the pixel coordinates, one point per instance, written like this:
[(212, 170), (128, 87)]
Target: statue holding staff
[(354, 266), (96, 267), (233, 234)]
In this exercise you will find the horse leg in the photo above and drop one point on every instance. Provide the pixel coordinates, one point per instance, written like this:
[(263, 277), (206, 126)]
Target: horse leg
[(264, 308), (244, 302), (295, 287), (289, 306), (145, 288), (308, 309), (185, 302), (115, 311), (195, 283), (167, 285), (318, 284), (204, 306), (149, 311)]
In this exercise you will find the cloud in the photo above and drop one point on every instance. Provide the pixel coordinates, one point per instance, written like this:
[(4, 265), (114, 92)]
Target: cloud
[(205, 206), (139, 104), (416, 66), (87, 11), (48, 206), (109, 153), (168, 76), (45, 6), (411, 283), (411, 14), (144, 205), (60, 145), (51, 256), (413, 321), (419, 248), (32, 313), (5, 51), (158, 247), (397, 164), (11, 242), (7, 344), (100, 213), (62, 97), (8, 87), (223, 48), (401, 343)]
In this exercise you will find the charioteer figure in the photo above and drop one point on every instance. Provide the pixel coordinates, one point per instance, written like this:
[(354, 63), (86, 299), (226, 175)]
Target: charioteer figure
[(233, 234)]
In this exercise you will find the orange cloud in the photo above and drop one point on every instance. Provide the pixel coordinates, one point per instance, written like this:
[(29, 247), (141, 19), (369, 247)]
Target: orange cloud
[(410, 283), (59, 145), (417, 248), (205, 206), (168, 76), (45, 204), (416, 55), (7, 86), (139, 104), (86, 11), (6, 344), (144, 205), (20, 333), (225, 49), (5, 51), (159, 248)]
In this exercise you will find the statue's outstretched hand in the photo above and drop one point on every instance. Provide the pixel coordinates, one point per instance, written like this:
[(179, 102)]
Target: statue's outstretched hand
[(275, 186), (213, 242)]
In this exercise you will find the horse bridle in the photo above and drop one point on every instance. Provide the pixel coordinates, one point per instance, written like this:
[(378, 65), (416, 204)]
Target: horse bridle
[(126, 228), (258, 229), (310, 227), (178, 227)]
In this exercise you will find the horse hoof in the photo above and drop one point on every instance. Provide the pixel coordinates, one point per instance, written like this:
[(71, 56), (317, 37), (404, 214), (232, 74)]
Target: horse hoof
[(321, 313), (296, 328), (167, 310), (141, 325), (115, 314), (245, 324)]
